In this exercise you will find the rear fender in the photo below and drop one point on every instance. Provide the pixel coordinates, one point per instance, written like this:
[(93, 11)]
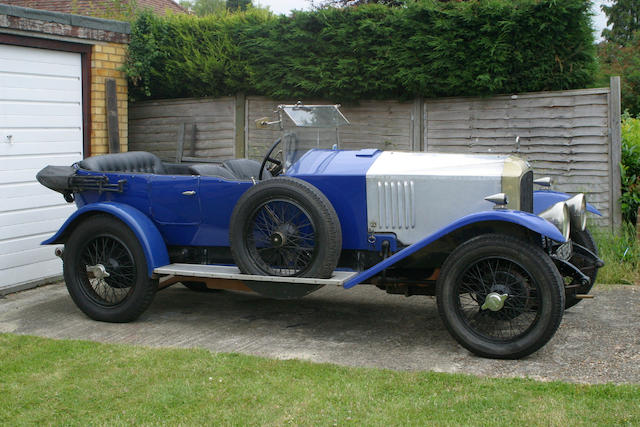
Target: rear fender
[(544, 199), (153, 245), (523, 219)]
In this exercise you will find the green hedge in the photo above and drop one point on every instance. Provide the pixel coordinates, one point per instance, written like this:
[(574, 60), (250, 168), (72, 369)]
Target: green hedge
[(426, 49)]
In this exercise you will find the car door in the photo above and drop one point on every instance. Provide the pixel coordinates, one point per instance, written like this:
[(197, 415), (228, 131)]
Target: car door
[(175, 199)]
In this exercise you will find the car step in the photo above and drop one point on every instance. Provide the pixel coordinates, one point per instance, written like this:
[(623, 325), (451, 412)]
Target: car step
[(233, 273)]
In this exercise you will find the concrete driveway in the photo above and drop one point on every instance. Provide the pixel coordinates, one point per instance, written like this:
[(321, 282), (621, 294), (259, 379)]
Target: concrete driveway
[(598, 341)]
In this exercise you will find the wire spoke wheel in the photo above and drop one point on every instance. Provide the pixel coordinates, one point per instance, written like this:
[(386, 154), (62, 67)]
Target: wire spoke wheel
[(105, 270), (491, 277), (285, 227), (500, 296), (116, 283), (281, 237)]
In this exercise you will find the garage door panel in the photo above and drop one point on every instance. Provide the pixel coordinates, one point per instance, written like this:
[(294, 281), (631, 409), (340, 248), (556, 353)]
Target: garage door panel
[(21, 244), (39, 94), (39, 56), (22, 189), (49, 122), (17, 275), (22, 66), (29, 81), (25, 162), (32, 202), (26, 257), (22, 149), (36, 219), (42, 135), (41, 107), (37, 109)]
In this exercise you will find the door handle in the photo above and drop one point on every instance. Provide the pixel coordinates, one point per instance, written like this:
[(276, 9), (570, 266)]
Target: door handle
[(189, 193)]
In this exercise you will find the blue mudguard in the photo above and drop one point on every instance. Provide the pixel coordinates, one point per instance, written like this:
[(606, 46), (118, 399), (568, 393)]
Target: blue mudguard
[(153, 245), (546, 198), (527, 220)]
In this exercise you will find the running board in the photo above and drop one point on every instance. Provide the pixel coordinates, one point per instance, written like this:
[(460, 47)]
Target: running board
[(233, 273)]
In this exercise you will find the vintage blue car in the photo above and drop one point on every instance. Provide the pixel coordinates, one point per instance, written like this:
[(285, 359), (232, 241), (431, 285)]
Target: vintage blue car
[(503, 260)]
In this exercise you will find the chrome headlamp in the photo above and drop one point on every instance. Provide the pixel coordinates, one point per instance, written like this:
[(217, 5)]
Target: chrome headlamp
[(559, 216), (578, 210)]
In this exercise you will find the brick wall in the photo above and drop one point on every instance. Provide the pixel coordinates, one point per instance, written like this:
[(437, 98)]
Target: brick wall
[(106, 58)]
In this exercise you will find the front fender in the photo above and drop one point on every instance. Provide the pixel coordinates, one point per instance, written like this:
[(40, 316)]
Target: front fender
[(544, 199), (524, 219), (153, 245)]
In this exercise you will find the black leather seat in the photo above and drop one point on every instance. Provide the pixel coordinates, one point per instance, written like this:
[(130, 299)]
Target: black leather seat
[(211, 170), (133, 161), (245, 169)]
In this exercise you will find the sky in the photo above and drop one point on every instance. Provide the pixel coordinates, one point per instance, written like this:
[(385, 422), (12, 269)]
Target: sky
[(286, 6)]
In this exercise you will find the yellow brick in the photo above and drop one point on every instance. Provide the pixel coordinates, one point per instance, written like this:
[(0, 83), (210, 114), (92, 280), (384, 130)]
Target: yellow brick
[(98, 126), (101, 57), (99, 133), (109, 49), (95, 87), (121, 51), (97, 48), (97, 111), (97, 102), (110, 65), (97, 95), (97, 79), (116, 58)]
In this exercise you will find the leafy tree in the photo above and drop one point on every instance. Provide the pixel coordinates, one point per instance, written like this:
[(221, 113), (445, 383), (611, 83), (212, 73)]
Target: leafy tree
[(347, 3), (624, 17), (623, 61), (234, 5), (205, 7)]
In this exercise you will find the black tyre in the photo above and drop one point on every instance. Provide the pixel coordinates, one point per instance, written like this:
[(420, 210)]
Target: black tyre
[(521, 276), (105, 270), (199, 287), (285, 227), (582, 238)]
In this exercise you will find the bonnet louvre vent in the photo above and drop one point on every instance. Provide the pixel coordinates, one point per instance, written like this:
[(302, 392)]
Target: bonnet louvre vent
[(396, 207)]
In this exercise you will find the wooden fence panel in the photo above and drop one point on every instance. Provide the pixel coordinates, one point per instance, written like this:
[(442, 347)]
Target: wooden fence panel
[(564, 135), (157, 126)]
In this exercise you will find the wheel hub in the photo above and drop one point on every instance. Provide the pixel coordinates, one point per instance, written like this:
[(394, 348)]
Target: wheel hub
[(494, 301), (97, 271), (278, 239)]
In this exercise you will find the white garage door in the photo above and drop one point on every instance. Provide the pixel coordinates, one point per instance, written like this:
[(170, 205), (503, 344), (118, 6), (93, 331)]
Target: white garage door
[(40, 124)]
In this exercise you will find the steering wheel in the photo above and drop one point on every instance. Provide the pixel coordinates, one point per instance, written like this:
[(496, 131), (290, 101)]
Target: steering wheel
[(277, 164)]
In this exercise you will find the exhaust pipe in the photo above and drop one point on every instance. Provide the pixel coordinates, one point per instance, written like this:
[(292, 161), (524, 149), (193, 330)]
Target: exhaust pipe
[(59, 252)]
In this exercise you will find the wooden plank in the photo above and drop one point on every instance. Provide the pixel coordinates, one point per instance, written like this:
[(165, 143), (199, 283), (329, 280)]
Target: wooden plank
[(239, 137), (616, 154), (113, 132)]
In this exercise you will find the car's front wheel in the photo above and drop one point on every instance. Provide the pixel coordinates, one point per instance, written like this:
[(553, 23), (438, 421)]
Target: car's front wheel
[(105, 270), (500, 297)]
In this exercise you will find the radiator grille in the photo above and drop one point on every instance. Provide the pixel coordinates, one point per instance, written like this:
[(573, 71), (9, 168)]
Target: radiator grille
[(396, 204), (526, 192)]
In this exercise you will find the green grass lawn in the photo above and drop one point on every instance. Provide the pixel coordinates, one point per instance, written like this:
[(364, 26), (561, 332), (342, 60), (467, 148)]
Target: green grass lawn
[(76, 382)]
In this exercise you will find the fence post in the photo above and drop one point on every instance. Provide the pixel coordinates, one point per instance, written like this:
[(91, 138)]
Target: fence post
[(615, 153), (239, 141), (417, 136)]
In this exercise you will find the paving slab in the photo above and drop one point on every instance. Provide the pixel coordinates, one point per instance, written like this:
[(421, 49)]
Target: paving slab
[(598, 341)]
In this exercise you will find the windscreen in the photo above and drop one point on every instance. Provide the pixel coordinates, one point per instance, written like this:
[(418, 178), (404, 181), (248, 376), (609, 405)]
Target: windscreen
[(308, 127)]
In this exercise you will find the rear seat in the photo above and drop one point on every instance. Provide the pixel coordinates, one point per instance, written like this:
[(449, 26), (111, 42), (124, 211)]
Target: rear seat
[(133, 161), (144, 162)]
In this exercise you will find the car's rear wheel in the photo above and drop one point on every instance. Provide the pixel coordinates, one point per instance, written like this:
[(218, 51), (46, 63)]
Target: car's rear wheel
[(500, 297), (105, 270), (285, 227), (586, 266)]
